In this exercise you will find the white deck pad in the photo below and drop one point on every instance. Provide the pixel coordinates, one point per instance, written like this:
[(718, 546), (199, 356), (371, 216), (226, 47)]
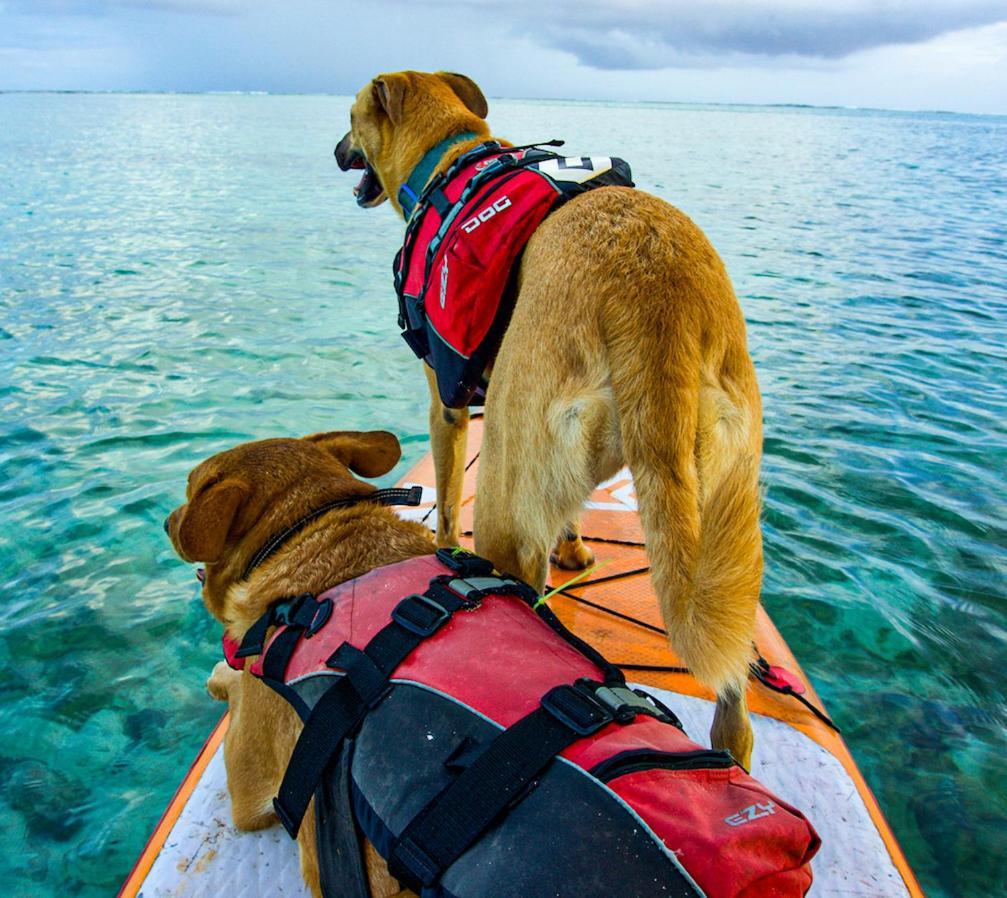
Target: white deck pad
[(206, 857)]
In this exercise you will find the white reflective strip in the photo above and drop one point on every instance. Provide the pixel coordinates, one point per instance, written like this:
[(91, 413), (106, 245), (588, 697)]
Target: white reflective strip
[(574, 174)]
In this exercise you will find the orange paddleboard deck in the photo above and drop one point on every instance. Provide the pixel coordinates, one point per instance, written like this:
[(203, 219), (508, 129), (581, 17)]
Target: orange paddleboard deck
[(194, 851)]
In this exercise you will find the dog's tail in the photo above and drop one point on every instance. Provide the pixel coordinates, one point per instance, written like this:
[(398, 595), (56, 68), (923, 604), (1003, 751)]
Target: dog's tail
[(698, 493)]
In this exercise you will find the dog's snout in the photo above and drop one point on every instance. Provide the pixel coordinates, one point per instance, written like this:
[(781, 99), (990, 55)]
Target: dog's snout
[(167, 524), (344, 152)]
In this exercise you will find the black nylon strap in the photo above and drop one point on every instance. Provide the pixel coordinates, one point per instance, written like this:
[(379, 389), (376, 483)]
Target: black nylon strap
[(367, 678), (340, 710), (439, 201), (302, 612), (334, 717), (460, 814), (274, 662), (340, 854), (392, 496)]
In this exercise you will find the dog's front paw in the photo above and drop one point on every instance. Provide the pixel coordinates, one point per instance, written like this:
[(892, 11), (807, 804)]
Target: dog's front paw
[(571, 555), (448, 540), (221, 681)]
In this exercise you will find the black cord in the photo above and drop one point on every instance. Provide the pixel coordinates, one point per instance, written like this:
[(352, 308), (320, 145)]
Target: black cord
[(653, 668), (618, 614), (610, 577)]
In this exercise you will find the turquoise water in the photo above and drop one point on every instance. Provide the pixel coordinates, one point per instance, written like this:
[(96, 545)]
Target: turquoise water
[(180, 273)]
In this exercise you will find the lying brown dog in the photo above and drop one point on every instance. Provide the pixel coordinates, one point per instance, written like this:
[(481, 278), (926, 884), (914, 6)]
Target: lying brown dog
[(626, 346), (236, 502)]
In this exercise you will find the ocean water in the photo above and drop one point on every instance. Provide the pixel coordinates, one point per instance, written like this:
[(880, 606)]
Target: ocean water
[(181, 273)]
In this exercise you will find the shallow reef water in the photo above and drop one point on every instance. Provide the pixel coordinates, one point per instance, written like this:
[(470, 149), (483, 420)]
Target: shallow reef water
[(181, 273)]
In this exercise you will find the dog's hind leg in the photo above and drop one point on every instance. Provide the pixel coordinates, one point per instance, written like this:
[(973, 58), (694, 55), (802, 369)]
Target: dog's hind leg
[(448, 438), (543, 452), (514, 527)]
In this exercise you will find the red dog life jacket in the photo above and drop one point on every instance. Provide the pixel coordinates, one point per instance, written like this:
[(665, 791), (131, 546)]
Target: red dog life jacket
[(487, 752), (465, 235)]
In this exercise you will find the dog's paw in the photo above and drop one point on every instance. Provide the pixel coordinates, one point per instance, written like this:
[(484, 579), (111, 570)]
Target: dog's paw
[(448, 540), (221, 681), (571, 555)]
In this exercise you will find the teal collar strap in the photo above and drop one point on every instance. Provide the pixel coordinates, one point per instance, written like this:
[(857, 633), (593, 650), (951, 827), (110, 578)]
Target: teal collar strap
[(410, 192)]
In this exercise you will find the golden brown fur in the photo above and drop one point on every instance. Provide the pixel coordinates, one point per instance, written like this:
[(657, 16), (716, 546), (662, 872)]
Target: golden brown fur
[(627, 345), (235, 502)]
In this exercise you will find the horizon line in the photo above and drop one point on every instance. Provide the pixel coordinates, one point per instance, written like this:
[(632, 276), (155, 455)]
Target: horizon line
[(282, 93)]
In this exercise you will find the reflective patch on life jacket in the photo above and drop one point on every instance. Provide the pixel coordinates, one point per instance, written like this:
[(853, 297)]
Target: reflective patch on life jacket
[(752, 812), (486, 214), (574, 169), (444, 282)]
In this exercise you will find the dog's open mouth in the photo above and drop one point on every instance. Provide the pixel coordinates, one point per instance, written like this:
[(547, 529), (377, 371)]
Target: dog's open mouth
[(368, 191), (369, 188)]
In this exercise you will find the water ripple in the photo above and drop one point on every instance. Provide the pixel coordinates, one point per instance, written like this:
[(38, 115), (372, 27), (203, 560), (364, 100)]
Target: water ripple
[(181, 273)]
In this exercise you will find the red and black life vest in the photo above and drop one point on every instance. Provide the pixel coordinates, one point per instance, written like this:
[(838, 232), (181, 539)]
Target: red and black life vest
[(467, 228), (487, 752)]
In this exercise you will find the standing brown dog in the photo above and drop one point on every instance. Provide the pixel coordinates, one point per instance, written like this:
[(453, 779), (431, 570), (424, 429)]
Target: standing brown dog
[(626, 345), (236, 502)]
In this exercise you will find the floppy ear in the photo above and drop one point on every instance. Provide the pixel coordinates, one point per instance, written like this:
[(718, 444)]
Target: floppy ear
[(207, 520), (370, 453), (468, 92), (390, 92)]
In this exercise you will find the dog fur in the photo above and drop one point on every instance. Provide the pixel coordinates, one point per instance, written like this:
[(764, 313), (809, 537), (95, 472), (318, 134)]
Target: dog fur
[(235, 502), (626, 346)]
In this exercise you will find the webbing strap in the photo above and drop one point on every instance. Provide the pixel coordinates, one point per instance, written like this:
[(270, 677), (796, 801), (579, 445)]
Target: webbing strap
[(343, 706), (412, 189), (332, 720), (340, 854), (392, 496), (461, 813)]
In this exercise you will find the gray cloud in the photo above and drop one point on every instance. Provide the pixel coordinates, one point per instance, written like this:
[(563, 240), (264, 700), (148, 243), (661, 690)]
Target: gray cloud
[(650, 34), (707, 51)]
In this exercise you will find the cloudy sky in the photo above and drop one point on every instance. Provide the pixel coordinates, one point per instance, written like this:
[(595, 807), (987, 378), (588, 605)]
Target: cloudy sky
[(927, 54)]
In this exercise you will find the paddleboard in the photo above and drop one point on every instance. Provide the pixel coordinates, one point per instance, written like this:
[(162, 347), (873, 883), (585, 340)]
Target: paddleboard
[(195, 851)]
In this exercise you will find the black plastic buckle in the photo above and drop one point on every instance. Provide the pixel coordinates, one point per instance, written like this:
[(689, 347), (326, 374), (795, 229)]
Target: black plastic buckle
[(420, 614), (626, 703), (298, 612), (291, 612), (322, 613), (465, 563), (577, 708)]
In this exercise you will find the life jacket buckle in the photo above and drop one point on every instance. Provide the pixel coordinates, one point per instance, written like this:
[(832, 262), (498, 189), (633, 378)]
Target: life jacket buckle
[(420, 614), (303, 611), (626, 703), (465, 563), (577, 707)]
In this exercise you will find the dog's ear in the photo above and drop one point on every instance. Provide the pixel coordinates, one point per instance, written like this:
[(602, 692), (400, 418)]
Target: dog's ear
[(390, 92), (370, 453), (208, 518), (468, 92)]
